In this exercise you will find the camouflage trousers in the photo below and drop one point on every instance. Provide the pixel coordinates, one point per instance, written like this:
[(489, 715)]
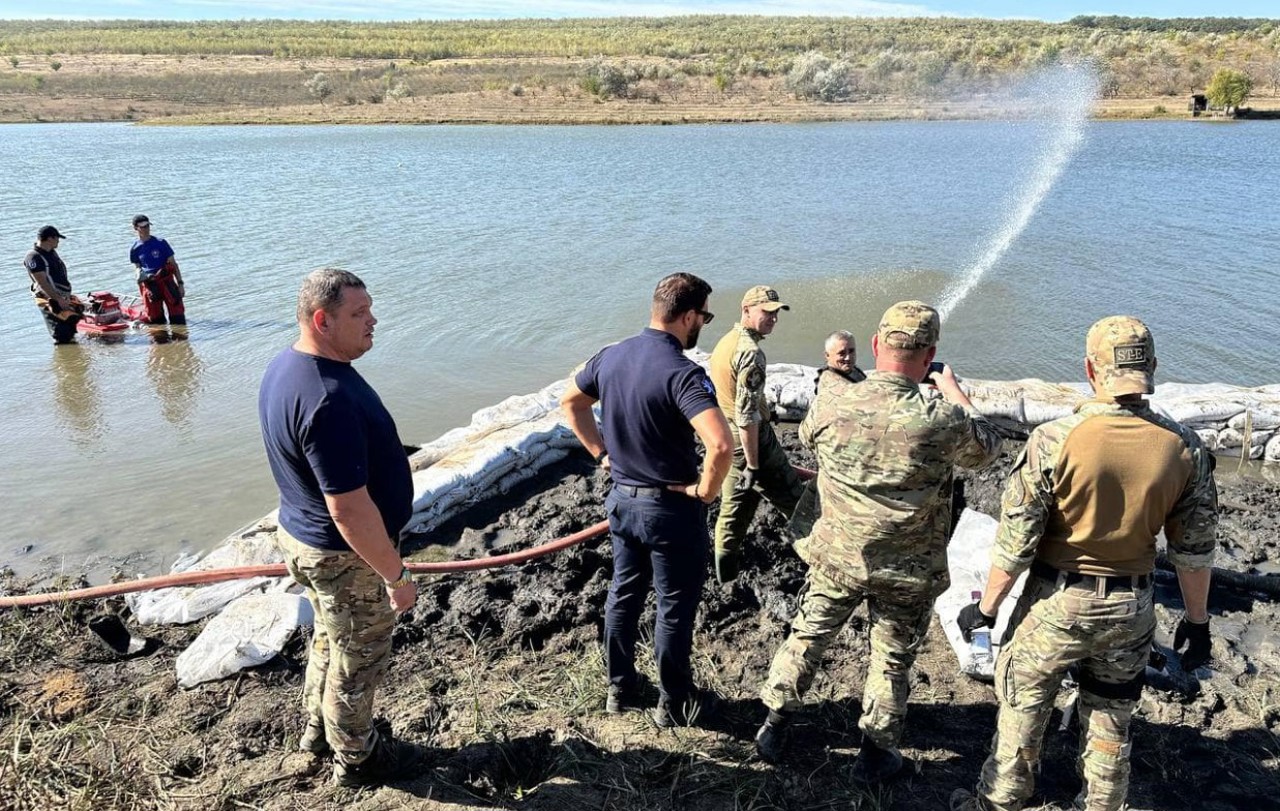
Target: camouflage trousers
[(776, 480), (1108, 636), (351, 645), (898, 628)]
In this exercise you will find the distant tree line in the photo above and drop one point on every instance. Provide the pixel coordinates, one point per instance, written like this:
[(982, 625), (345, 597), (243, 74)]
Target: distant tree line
[(1200, 25)]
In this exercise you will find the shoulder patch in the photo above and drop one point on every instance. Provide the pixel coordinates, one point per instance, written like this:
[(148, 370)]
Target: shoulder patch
[(755, 378), (708, 386)]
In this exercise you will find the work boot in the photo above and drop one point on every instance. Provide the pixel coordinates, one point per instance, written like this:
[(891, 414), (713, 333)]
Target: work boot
[(621, 700), (313, 739), (696, 709), (728, 564), (875, 764), (389, 761), (963, 800), (772, 737)]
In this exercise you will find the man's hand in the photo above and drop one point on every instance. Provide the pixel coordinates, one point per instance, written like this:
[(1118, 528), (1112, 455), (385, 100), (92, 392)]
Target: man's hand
[(403, 598), (746, 479), (691, 490), (1195, 636), (971, 619)]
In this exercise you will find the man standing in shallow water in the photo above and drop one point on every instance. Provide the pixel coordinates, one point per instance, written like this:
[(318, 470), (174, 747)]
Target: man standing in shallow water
[(653, 400), (345, 495)]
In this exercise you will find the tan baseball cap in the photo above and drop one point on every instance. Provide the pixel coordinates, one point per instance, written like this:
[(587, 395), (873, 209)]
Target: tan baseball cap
[(766, 297), (909, 325), (1123, 355)]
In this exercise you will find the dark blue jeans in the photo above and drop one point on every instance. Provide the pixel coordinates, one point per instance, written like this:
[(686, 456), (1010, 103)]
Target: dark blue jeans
[(659, 538)]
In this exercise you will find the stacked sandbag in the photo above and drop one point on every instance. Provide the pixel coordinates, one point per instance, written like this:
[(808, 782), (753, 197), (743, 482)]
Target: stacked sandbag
[(1231, 420)]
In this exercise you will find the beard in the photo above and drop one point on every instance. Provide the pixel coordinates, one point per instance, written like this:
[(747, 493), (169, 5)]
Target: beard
[(691, 340)]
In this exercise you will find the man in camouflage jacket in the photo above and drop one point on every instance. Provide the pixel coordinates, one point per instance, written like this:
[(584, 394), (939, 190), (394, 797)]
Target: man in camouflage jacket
[(760, 465), (886, 456), (1081, 510)]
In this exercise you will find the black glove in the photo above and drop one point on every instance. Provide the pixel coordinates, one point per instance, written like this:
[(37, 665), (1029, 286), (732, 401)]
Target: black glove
[(1195, 635), (971, 619), (746, 479)]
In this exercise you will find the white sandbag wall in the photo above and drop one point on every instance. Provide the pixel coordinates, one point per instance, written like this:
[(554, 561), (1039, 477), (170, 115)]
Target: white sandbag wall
[(1231, 420)]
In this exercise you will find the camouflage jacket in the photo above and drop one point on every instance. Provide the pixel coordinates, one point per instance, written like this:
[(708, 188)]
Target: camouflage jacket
[(737, 368), (886, 457), (1091, 490)]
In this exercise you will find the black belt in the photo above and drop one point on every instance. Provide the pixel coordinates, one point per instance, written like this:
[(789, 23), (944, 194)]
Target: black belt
[(1111, 582), (636, 492)]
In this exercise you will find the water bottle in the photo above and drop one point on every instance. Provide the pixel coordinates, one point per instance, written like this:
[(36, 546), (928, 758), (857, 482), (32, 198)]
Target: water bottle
[(980, 644)]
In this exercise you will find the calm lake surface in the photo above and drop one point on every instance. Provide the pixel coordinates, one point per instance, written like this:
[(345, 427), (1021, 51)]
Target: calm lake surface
[(499, 257)]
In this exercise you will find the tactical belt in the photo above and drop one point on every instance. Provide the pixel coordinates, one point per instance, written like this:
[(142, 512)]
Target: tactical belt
[(639, 492), (1113, 582)]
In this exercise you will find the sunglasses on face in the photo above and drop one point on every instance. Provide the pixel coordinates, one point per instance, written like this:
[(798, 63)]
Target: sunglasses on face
[(707, 317)]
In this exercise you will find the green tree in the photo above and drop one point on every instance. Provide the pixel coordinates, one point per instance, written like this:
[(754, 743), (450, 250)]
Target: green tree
[(1228, 89)]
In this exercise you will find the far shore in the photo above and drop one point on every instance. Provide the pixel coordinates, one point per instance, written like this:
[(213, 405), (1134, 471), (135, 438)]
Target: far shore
[(228, 90)]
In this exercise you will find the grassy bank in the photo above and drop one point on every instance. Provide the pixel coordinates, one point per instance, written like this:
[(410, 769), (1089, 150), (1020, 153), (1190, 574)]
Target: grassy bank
[(658, 70)]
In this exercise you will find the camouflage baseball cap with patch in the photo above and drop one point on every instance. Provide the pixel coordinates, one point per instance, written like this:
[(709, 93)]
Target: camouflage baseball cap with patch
[(909, 325), (1123, 355), (766, 297)]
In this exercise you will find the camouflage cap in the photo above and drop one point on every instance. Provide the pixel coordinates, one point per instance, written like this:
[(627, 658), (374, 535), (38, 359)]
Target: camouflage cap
[(766, 297), (909, 325), (1123, 355)]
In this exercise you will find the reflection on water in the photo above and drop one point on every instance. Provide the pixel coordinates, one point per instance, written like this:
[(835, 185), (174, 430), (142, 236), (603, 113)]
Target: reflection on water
[(174, 369), (76, 396)]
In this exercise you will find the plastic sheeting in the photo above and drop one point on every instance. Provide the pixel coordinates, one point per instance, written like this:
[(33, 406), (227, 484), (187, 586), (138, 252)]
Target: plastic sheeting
[(250, 631), (190, 603), (969, 560)]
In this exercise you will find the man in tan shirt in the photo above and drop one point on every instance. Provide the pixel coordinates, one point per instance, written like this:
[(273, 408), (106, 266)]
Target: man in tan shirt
[(1081, 510)]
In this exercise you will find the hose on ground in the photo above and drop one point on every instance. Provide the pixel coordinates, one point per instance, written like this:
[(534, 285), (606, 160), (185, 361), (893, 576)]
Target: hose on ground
[(278, 570)]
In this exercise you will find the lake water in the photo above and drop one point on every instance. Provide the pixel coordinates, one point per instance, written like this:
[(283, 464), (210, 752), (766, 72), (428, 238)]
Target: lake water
[(499, 257)]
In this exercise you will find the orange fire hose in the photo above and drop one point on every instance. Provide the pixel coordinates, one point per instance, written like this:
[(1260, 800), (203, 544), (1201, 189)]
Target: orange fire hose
[(278, 570)]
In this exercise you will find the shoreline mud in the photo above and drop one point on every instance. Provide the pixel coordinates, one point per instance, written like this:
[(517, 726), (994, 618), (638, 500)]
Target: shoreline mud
[(499, 676)]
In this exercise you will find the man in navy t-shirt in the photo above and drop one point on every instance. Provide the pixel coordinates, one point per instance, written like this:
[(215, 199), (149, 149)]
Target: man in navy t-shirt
[(653, 400), (159, 278), (345, 495)]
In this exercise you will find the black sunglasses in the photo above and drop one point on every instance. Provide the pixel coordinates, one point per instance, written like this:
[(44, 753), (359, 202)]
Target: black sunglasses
[(707, 317)]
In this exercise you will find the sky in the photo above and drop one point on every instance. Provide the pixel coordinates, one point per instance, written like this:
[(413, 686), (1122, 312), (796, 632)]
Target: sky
[(1050, 10)]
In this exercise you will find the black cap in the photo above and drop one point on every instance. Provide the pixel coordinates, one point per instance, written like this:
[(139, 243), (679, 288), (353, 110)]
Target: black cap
[(49, 232), (141, 219)]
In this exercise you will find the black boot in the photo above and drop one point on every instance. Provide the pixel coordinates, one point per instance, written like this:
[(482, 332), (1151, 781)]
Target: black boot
[(772, 737), (874, 764), (621, 700), (389, 761)]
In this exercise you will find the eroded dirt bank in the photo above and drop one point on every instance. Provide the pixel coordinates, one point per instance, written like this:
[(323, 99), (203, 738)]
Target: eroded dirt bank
[(499, 677)]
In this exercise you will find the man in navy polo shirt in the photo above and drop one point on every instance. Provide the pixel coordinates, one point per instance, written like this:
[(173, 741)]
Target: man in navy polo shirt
[(345, 495), (50, 288), (159, 279), (652, 401)]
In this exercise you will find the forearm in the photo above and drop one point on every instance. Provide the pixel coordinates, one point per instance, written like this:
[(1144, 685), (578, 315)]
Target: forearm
[(360, 523), (749, 435), (999, 584), (46, 286), (715, 467), (582, 422), (1195, 592)]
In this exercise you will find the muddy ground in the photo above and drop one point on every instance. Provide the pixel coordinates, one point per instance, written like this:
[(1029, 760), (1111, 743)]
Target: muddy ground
[(499, 677)]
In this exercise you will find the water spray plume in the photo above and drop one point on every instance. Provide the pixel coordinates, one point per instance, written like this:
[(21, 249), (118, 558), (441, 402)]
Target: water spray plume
[(1060, 99)]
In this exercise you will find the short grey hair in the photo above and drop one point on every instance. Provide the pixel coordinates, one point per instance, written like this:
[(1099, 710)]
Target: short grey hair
[(838, 335), (322, 290)]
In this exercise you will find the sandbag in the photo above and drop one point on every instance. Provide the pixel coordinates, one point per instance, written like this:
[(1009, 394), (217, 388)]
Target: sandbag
[(190, 603), (969, 561), (248, 632), (1272, 452), (1257, 419)]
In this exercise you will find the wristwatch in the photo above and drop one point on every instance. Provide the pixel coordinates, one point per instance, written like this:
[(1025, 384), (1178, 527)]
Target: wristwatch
[(600, 456), (405, 579)]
